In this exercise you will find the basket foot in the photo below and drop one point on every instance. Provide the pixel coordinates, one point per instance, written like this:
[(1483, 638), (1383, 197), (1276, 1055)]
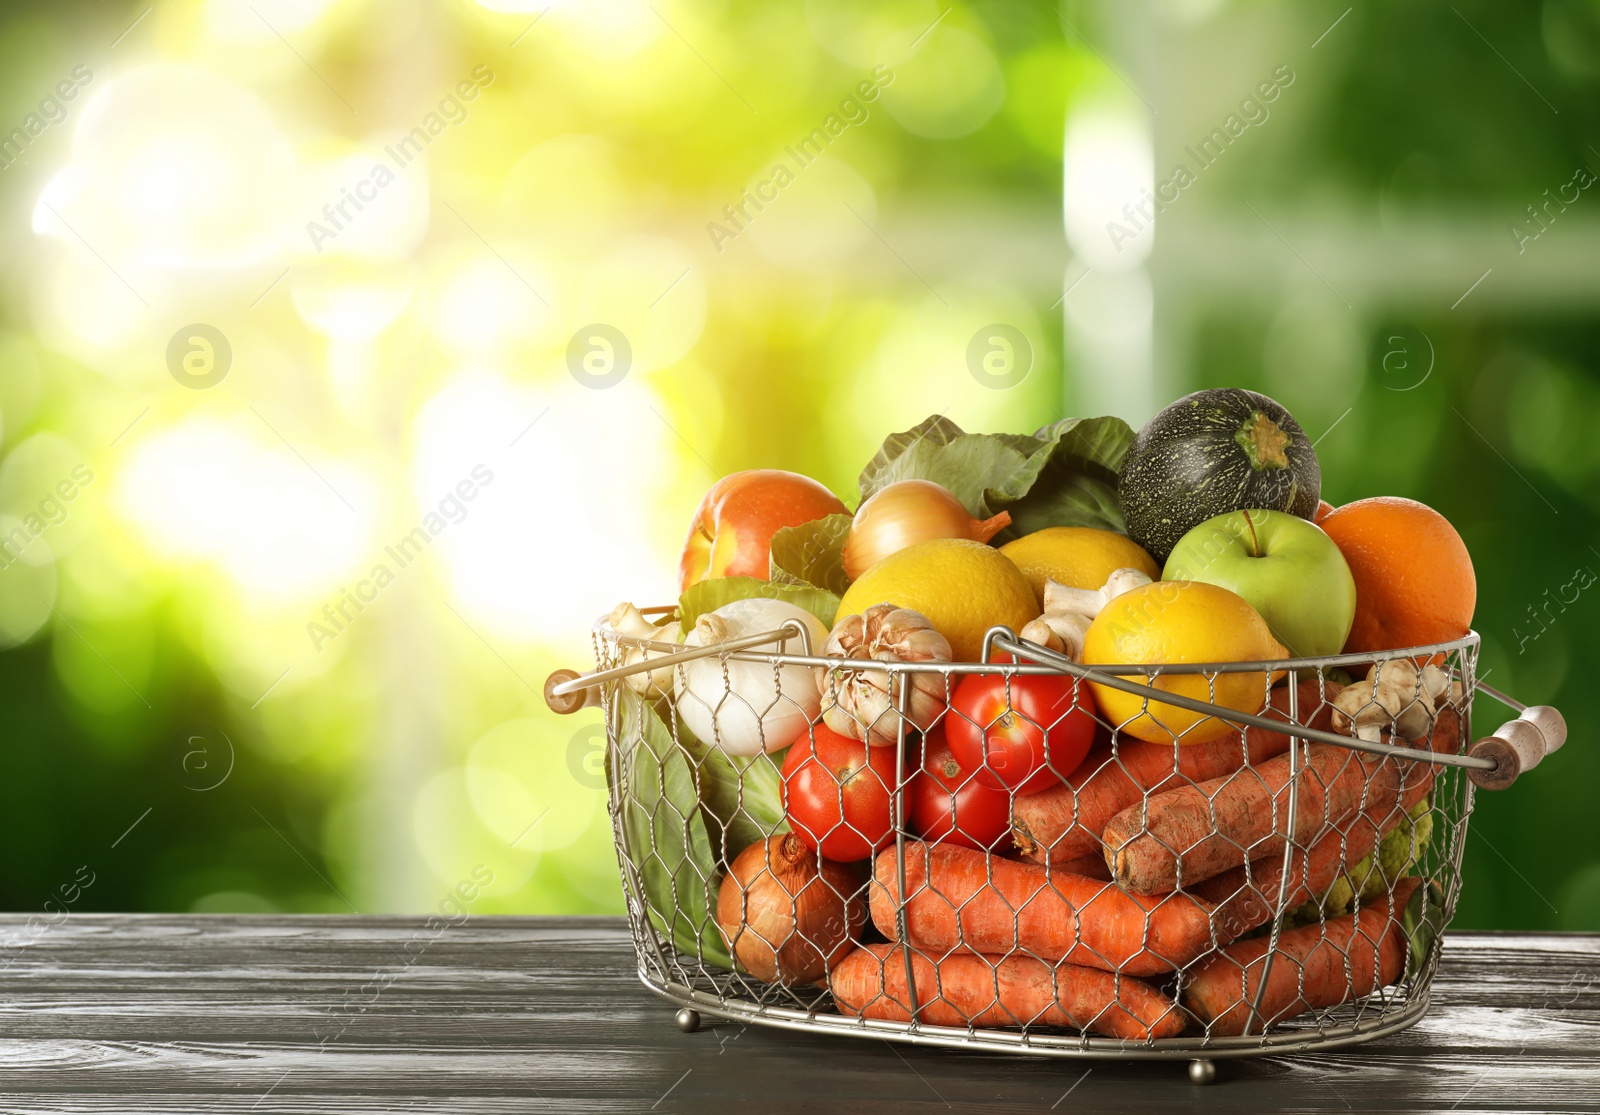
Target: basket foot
[(688, 1019), (1202, 1071)]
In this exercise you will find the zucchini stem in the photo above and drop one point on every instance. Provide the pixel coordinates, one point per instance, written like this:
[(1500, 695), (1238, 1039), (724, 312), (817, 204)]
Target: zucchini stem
[(1263, 441)]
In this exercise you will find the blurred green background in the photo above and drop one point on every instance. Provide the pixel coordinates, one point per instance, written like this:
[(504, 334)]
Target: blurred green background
[(187, 712)]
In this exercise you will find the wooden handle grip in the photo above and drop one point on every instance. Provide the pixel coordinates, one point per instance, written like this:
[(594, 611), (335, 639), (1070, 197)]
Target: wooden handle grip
[(568, 703), (1519, 746)]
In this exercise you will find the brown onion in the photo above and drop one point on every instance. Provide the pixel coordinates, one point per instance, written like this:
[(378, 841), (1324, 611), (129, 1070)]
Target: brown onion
[(787, 915), (905, 513)]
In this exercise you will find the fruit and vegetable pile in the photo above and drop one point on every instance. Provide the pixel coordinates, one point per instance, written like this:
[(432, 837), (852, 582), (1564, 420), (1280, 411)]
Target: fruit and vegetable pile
[(1078, 855)]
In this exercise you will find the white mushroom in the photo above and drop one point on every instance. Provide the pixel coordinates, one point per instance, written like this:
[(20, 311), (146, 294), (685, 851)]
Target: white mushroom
[(1069, 611), (1038, 631), (1440, 686), (1088, 602), (1395, 696), (1063, 629), (629, 621)]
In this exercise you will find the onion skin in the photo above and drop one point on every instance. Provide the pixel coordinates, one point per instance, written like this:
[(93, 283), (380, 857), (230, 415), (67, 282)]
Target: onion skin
[(765, 885), (905, 513)]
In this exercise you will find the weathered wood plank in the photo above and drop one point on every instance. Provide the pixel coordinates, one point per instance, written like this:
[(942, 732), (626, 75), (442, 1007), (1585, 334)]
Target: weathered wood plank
[(324, 1014)]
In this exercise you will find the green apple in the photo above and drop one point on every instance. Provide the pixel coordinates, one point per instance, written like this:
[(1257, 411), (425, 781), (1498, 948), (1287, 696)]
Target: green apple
[(1285, 567)]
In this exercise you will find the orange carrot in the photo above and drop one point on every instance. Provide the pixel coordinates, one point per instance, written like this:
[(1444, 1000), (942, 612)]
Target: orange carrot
[(1091, 866), (1065, 821), (997, 992), (1191, 833), (1315, 966), (959, 899), (1247, 896)]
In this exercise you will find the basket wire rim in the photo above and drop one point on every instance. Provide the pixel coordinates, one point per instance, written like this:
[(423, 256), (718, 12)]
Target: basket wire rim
[(604, 630)]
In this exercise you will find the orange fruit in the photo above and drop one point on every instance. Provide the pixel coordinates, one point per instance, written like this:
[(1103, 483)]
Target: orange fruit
[(1324, 509), (1414, 579)]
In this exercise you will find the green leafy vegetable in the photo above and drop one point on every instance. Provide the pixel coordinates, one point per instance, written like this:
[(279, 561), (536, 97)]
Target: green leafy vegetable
[(1064, 475), (714, 592), (812, 554), (688, 809), (667, 835), (1071, 482), (1423, 922), (742, 796), (936, 449)]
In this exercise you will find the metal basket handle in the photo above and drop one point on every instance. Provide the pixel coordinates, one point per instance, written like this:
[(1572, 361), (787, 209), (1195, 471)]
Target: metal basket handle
[(567, 691), (1493, 762)]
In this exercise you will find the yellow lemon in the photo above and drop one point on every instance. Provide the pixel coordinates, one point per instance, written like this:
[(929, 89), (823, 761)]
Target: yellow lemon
[(963, 587), (1172, 622), (1080, 557)]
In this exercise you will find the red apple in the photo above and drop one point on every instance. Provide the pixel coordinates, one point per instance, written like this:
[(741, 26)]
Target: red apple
[(731, 535)]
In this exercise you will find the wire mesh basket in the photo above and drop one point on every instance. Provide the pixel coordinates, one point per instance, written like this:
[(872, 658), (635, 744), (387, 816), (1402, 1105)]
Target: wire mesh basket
[(1252, 858)]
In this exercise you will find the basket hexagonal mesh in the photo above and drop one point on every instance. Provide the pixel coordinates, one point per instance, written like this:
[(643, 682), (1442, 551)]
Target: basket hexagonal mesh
[(1193, 886)]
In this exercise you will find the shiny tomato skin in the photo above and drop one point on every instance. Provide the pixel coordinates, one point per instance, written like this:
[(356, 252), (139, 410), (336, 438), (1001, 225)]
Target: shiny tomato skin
[(837, 794), (947, 805), (1026, 741)]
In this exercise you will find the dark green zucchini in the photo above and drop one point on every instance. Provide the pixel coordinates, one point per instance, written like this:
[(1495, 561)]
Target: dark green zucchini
[(1209, 453)]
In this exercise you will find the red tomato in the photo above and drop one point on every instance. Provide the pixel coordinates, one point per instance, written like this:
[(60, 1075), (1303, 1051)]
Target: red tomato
[(1027, 741), (836, 794), (948, 804)]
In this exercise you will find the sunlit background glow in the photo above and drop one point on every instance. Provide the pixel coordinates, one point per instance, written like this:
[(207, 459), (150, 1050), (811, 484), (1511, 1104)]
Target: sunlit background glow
[(400, 215)]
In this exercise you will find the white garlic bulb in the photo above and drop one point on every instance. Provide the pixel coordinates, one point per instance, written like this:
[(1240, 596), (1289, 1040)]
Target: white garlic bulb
[(859, 703)]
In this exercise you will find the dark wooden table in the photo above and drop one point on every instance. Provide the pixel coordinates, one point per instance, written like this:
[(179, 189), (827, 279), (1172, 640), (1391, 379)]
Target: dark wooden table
[(149, 1013)]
